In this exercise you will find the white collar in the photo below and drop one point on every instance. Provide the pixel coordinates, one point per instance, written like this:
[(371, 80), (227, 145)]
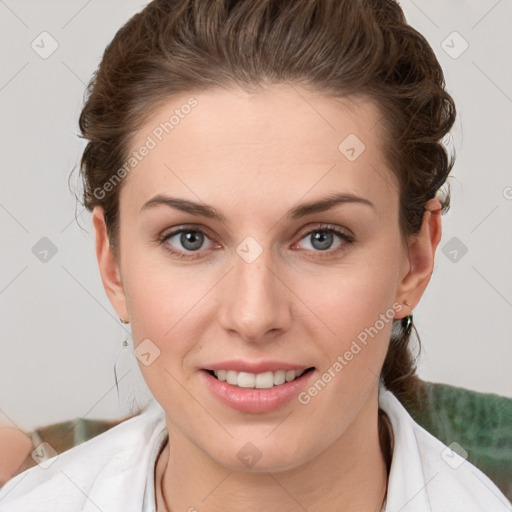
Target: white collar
[(420, 479), (149, 503)]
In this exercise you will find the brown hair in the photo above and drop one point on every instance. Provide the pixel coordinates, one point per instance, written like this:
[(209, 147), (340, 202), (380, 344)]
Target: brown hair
[(342, 48)]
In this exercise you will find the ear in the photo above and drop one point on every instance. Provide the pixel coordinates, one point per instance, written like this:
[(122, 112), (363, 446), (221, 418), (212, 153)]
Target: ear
[(108, 265), (421, 251)]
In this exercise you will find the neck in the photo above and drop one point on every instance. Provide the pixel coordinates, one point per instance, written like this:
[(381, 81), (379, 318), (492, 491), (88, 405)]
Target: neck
[(350, 475)]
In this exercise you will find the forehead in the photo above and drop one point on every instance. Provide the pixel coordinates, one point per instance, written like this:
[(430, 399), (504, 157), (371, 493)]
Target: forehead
[(260, 144)]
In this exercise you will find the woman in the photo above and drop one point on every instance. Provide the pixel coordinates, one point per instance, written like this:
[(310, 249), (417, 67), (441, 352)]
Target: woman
[(262, 178)]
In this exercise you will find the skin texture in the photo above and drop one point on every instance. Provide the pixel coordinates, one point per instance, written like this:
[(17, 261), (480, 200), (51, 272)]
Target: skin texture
[(254, 156), (15, 446)]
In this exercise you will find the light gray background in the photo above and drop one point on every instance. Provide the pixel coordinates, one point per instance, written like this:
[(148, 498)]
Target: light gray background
[(60, 337)]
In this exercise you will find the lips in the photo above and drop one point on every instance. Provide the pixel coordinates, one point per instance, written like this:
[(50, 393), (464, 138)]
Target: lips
[(256, 387)]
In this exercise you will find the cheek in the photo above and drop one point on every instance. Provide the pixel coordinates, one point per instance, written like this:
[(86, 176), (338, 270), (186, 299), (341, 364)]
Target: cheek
[(352, 298), (166, 304), (355, 306), (158, 300), (159, 292)]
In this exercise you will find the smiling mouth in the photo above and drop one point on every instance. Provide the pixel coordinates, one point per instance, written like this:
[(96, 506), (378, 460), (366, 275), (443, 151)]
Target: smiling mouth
[(264, 380)]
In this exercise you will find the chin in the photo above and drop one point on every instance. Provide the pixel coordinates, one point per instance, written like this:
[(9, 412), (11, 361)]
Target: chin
[(261, 457)]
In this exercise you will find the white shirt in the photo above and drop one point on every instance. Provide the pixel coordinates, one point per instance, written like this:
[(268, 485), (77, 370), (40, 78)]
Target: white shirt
[(113, 472)]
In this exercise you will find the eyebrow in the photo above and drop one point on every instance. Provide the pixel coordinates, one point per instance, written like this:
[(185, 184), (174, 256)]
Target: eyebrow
[(302, 210)]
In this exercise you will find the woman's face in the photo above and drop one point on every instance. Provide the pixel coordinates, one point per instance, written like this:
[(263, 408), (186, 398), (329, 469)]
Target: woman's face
[(261, 286)]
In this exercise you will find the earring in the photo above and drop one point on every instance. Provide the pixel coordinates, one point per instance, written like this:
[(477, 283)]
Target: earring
[(407, 324)]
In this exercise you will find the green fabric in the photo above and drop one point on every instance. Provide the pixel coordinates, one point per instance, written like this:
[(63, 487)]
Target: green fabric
[(479, 422), (86, 429)]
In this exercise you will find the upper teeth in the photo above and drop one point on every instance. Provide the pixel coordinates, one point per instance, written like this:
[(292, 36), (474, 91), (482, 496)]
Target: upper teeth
[(260, 380)]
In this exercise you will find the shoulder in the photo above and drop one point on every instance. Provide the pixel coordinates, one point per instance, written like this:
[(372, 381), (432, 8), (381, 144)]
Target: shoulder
[(103, 473), (426, 475)]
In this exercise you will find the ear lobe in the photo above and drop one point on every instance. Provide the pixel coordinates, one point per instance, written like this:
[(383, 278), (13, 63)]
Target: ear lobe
[(421, 251), (108, 265)]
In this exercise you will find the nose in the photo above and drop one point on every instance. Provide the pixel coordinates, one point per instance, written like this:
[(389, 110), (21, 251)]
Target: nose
[(255, 301)]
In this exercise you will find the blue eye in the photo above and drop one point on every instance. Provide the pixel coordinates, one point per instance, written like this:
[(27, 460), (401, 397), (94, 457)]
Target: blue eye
[(322, 238), (191, 240)]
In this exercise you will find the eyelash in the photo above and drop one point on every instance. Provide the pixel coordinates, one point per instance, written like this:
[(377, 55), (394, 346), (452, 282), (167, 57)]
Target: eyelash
[(323, 228)]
